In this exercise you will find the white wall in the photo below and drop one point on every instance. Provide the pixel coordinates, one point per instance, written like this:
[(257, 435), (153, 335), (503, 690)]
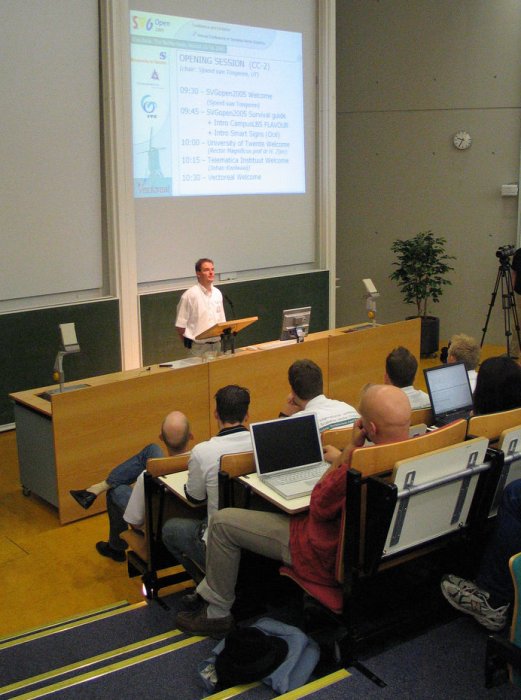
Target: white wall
[(409, 75)]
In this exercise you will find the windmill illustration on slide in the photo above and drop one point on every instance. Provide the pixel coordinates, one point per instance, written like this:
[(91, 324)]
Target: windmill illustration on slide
[(154, 166)]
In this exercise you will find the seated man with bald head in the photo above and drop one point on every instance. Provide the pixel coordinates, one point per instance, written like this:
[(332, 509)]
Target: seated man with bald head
[(308, 541), (175, 435)]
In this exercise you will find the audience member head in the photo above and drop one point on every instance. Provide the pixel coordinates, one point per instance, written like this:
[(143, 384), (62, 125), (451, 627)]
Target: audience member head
[(231, 404), (465, 349), (305, 380), (498, 387), (400, 367), (175, 432), (385, 413)]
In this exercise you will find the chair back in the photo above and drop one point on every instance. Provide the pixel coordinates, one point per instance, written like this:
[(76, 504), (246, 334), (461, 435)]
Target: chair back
[(160, 466), (237, 464), (422, 415), (232, 492), (491, 425), (510, 445), (378, 459), (338, 437)]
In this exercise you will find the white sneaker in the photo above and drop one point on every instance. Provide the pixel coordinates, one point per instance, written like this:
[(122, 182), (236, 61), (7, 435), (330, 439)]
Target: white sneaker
[(468, 598)]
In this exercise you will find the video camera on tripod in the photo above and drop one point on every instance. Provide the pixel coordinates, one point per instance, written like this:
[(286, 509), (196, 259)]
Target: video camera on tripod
[(508, 303), (504, 252)]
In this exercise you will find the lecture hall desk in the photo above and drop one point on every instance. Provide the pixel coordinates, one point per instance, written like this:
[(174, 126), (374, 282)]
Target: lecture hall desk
[(74, 440)]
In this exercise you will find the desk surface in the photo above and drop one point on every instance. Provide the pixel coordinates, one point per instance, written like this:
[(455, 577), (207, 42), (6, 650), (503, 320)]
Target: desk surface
[(291, 506), (176, 484)]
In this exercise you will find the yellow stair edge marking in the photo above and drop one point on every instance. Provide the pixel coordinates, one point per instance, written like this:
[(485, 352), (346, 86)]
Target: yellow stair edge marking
[(318, 684), (110, 668), (297, 693), (72, 625), (84, 663), (232, 692), (52, 625)]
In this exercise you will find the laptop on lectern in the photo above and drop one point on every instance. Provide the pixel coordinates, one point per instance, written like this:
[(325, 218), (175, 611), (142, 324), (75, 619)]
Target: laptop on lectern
[(449, 391), (288, 454)]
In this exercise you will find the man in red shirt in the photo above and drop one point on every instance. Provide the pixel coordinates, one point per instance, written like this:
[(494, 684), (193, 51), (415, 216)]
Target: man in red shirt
[(308, 542)]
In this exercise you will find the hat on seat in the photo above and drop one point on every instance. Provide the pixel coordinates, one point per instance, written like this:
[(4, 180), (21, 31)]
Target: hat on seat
[(249, 655)]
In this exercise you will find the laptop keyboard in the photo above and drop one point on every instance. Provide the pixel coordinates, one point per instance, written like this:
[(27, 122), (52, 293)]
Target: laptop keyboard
[(301, 475)]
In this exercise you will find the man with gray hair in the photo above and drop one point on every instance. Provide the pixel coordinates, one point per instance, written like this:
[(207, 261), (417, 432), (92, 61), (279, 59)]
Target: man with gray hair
[(463, 348)]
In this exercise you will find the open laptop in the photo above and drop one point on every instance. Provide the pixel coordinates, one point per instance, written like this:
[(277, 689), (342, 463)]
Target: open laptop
[(288, 454), (450, 393)]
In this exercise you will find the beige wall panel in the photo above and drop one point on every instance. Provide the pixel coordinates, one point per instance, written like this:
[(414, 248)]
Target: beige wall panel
[(428, 54), (398, 173), (411, 74)]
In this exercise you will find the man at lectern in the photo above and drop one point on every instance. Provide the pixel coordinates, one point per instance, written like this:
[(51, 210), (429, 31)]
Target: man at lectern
[(200, 308)]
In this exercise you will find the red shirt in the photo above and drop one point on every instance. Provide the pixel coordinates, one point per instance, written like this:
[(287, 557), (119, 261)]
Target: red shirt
[(313, 536)]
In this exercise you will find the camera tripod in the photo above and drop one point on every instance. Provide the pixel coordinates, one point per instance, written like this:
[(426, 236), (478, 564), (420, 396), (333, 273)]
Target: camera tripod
[(508, 303)]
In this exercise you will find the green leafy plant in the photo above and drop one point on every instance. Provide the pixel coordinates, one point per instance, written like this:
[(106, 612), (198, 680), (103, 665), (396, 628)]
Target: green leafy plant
[(420, 269)]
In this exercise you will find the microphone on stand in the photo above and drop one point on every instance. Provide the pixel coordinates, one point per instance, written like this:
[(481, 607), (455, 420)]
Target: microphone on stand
[(230, 302)]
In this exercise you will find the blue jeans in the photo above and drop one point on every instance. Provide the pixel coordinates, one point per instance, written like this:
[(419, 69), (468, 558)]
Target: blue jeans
[(183, 538), (117, 500), (127, 472), (494, 574), (118, 495)]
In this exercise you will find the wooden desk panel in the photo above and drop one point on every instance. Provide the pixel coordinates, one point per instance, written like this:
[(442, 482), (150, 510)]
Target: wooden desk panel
[(265, 374), (357, 358), (92, 430), (97, 428)]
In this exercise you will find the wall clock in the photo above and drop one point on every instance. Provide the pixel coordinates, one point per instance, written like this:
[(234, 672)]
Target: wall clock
[(462, 140)]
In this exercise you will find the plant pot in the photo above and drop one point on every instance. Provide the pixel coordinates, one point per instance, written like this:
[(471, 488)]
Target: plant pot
[(430, 335)]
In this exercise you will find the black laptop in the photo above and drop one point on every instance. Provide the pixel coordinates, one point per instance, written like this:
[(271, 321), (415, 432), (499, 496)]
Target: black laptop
[(450, 393)]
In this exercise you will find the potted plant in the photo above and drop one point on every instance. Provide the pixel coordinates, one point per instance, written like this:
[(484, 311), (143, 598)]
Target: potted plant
[(420, 272)]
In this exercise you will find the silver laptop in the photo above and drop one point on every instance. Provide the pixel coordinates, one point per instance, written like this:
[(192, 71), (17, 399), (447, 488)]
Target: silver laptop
[(288, 454), (450, 392)]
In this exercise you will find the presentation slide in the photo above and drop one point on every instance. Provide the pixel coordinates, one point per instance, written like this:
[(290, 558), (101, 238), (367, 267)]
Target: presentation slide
[(217, 108)]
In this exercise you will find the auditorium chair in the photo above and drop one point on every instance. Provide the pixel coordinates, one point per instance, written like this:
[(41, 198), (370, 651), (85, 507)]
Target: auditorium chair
[(404, 505), (147, 555)]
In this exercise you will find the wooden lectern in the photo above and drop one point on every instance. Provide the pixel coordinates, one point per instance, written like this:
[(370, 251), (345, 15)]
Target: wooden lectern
[(227, 330)]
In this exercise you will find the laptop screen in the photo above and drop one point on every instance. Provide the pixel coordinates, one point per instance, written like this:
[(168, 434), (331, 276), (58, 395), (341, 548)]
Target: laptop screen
[(284, 443), (449, 389)]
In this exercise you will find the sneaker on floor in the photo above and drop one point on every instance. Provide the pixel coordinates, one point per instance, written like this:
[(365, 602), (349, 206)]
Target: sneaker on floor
[(198, 622), (106, 550), (468, 598)]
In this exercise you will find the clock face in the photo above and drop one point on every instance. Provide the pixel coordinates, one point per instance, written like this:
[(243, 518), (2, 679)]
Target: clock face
[(462, 140)]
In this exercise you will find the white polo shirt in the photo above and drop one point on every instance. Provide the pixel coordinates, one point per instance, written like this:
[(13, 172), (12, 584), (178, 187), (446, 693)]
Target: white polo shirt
[(417, 398), (203, 467), (199, 309), (331, 413)]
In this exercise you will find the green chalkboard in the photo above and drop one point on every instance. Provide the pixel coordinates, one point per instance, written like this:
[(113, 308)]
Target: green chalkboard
[(31, 339), (263, 298)]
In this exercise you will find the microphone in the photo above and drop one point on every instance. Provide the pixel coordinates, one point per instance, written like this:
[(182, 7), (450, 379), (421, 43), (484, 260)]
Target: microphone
[(230, 302)]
